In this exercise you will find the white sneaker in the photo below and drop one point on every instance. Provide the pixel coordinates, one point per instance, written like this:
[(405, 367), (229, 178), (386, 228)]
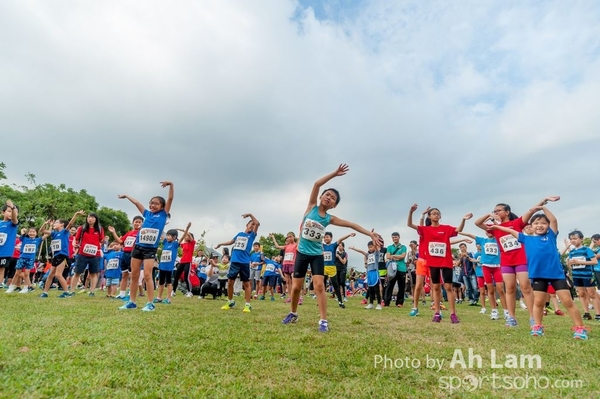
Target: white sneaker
[(590, 307), (24, 290), (523, 306), (378, 307), (482, 311), (11, 289), (506, 315), (345, 299), (189, 295), (494, 315), (370, 306)]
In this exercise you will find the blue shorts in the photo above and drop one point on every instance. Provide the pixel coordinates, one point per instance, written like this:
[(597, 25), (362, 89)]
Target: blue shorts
[(27, 264), (126, 262), (242, 269), (270, 281), (372, 278), (580, 282), (112, 281), (91, 263)]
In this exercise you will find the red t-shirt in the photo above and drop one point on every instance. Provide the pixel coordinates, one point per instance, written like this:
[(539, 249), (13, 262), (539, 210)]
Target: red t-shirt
[(436, 244), (71, 249), (512, 252), (17, 252), (289, 254), (91, 242), (129, 240), (188, 251)]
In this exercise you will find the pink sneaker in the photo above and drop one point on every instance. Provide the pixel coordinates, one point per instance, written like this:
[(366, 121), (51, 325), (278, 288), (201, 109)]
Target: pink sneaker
[(364, 302), (288, 300), (300, 301)]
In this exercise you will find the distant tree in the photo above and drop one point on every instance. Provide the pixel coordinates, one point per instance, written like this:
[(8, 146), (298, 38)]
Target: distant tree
[(268, 248)]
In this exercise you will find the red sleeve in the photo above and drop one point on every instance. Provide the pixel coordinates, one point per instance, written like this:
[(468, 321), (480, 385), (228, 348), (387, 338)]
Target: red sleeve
[(78, 234), (519, 224), (101, 234), (452, 231)]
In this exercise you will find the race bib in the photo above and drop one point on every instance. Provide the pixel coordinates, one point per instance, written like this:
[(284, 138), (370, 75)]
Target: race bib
[(166, 256), (148, 236), (579, 258), (490, 248), (509, 243), (129, 242), (313, 231), (112, 264), (240, 243), (327, 256), (289, 256), (29, 249), (270, 268), (203, 270), (90, 249), (370, 259), (3, 237), (437, 249), (55, 246)]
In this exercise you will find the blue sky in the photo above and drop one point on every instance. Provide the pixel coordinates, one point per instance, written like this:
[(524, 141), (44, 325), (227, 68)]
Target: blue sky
[(244, 104)]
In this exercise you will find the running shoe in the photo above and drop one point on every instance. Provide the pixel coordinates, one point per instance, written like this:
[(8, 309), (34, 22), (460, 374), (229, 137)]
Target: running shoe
[(247, 308), (559, 312), (149, 307), (189, 294), (483, 310), (272, 299), (537, 331), (64, 295), (262, 298), (290, 318), (454, 319), (494, 315), (228, 305), (323, 327), (44, 295), (580, 333), (370, 306), (511, 322), (128, 305), (342, 305), (11, 289), (378, 307), (414, 312), (25, 291), (587, 316), (91, 294), (436, 318), (157, 300), (166, 301)]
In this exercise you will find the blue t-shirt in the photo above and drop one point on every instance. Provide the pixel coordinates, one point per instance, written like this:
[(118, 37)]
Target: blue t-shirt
[(257, 257), (490, 255), (30, 247), (313, 231), (168, 255), (372, 261), (59, 243), (271, 268), (202, 272), (152, 229), (240, 253), (543, 260), (8, 238), (584, 254), (113, 264), (478, 268), (329, 253), (597, 267)]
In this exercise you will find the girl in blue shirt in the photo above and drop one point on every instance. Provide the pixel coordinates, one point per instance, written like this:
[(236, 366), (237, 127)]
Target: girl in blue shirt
[(545, 268)]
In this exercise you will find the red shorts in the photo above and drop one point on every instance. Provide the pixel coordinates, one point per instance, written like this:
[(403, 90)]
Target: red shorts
[(422, 269), (480, 282), (492, 275)]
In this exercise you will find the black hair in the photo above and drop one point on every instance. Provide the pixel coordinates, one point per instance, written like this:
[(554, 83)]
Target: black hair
[(138, 217), (328, 233), (511, 215), (577, 233), (341, 244), (86, 227), (172, 233), (539, 216), (461, 244), (596, 237), (336, 192), (191, 235), (160, 199), (427, 219), (370, 243)]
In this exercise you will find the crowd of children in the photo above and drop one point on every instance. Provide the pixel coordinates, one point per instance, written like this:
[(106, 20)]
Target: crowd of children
[(515, 252)]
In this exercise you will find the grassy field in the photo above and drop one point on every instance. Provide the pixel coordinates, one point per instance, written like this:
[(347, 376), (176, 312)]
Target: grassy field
[(85, 347)]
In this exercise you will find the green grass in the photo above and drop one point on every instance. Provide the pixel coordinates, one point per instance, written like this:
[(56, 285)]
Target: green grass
[(85, 347)]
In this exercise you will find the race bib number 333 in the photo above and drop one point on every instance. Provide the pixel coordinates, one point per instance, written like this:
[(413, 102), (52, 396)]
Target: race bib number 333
[(313, 231)]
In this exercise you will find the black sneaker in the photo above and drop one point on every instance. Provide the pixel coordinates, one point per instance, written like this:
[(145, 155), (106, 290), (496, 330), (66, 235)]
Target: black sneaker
[(587, 316), (342, 305)]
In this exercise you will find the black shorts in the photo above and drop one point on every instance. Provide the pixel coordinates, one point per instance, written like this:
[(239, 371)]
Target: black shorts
[(165, 277), (583, 282), (541, 284), (11, 269), (316, 262), (4, 262), (444, 272), (143, 253), (92, 263), (242, 269), (270, 281), (456, 285), (597, 275), (57, 260), (126, 262)]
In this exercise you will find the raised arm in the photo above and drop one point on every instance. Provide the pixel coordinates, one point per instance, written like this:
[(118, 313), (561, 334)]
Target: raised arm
[(461, 226), (481, 221), (275, 244), (512, 232), (185, 232), (471, 236), (342, 239), (376, 238), (409, 222), (115, 235), (169, 202), (527, 215), (42, 230), (135, 202), (454, 241), (15, 212), (224, 244), (314, 194), (256, 222), (74, 218), (551, 217), (360, 251), (567, 247)]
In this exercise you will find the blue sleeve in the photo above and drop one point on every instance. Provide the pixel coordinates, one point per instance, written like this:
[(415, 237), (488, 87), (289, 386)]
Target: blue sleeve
[(589, 253), (552, 235), (146, 214), (479, 241), (522, 238)]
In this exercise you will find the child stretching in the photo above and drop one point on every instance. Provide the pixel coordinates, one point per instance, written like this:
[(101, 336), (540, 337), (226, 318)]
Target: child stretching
[(145, 249), (372, 262), (545, 269), (310, 246), (271, 274), (581, 261), (167, 265), (112, 266), (29, 248)]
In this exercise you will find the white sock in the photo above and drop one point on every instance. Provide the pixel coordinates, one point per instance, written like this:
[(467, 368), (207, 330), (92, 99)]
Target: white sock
[(322, 321)]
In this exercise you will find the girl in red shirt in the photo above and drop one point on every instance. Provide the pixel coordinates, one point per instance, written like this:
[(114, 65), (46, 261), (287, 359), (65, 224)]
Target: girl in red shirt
[(435, 248), (187, 245), (88, 244)]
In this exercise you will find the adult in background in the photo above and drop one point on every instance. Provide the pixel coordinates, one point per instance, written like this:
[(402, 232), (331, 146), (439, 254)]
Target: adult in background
[(396, 253)]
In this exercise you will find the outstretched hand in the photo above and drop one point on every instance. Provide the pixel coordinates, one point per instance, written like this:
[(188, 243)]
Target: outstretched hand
[(122, 196), (164, 184), (468, 216), (342, 170), (413, 207)]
